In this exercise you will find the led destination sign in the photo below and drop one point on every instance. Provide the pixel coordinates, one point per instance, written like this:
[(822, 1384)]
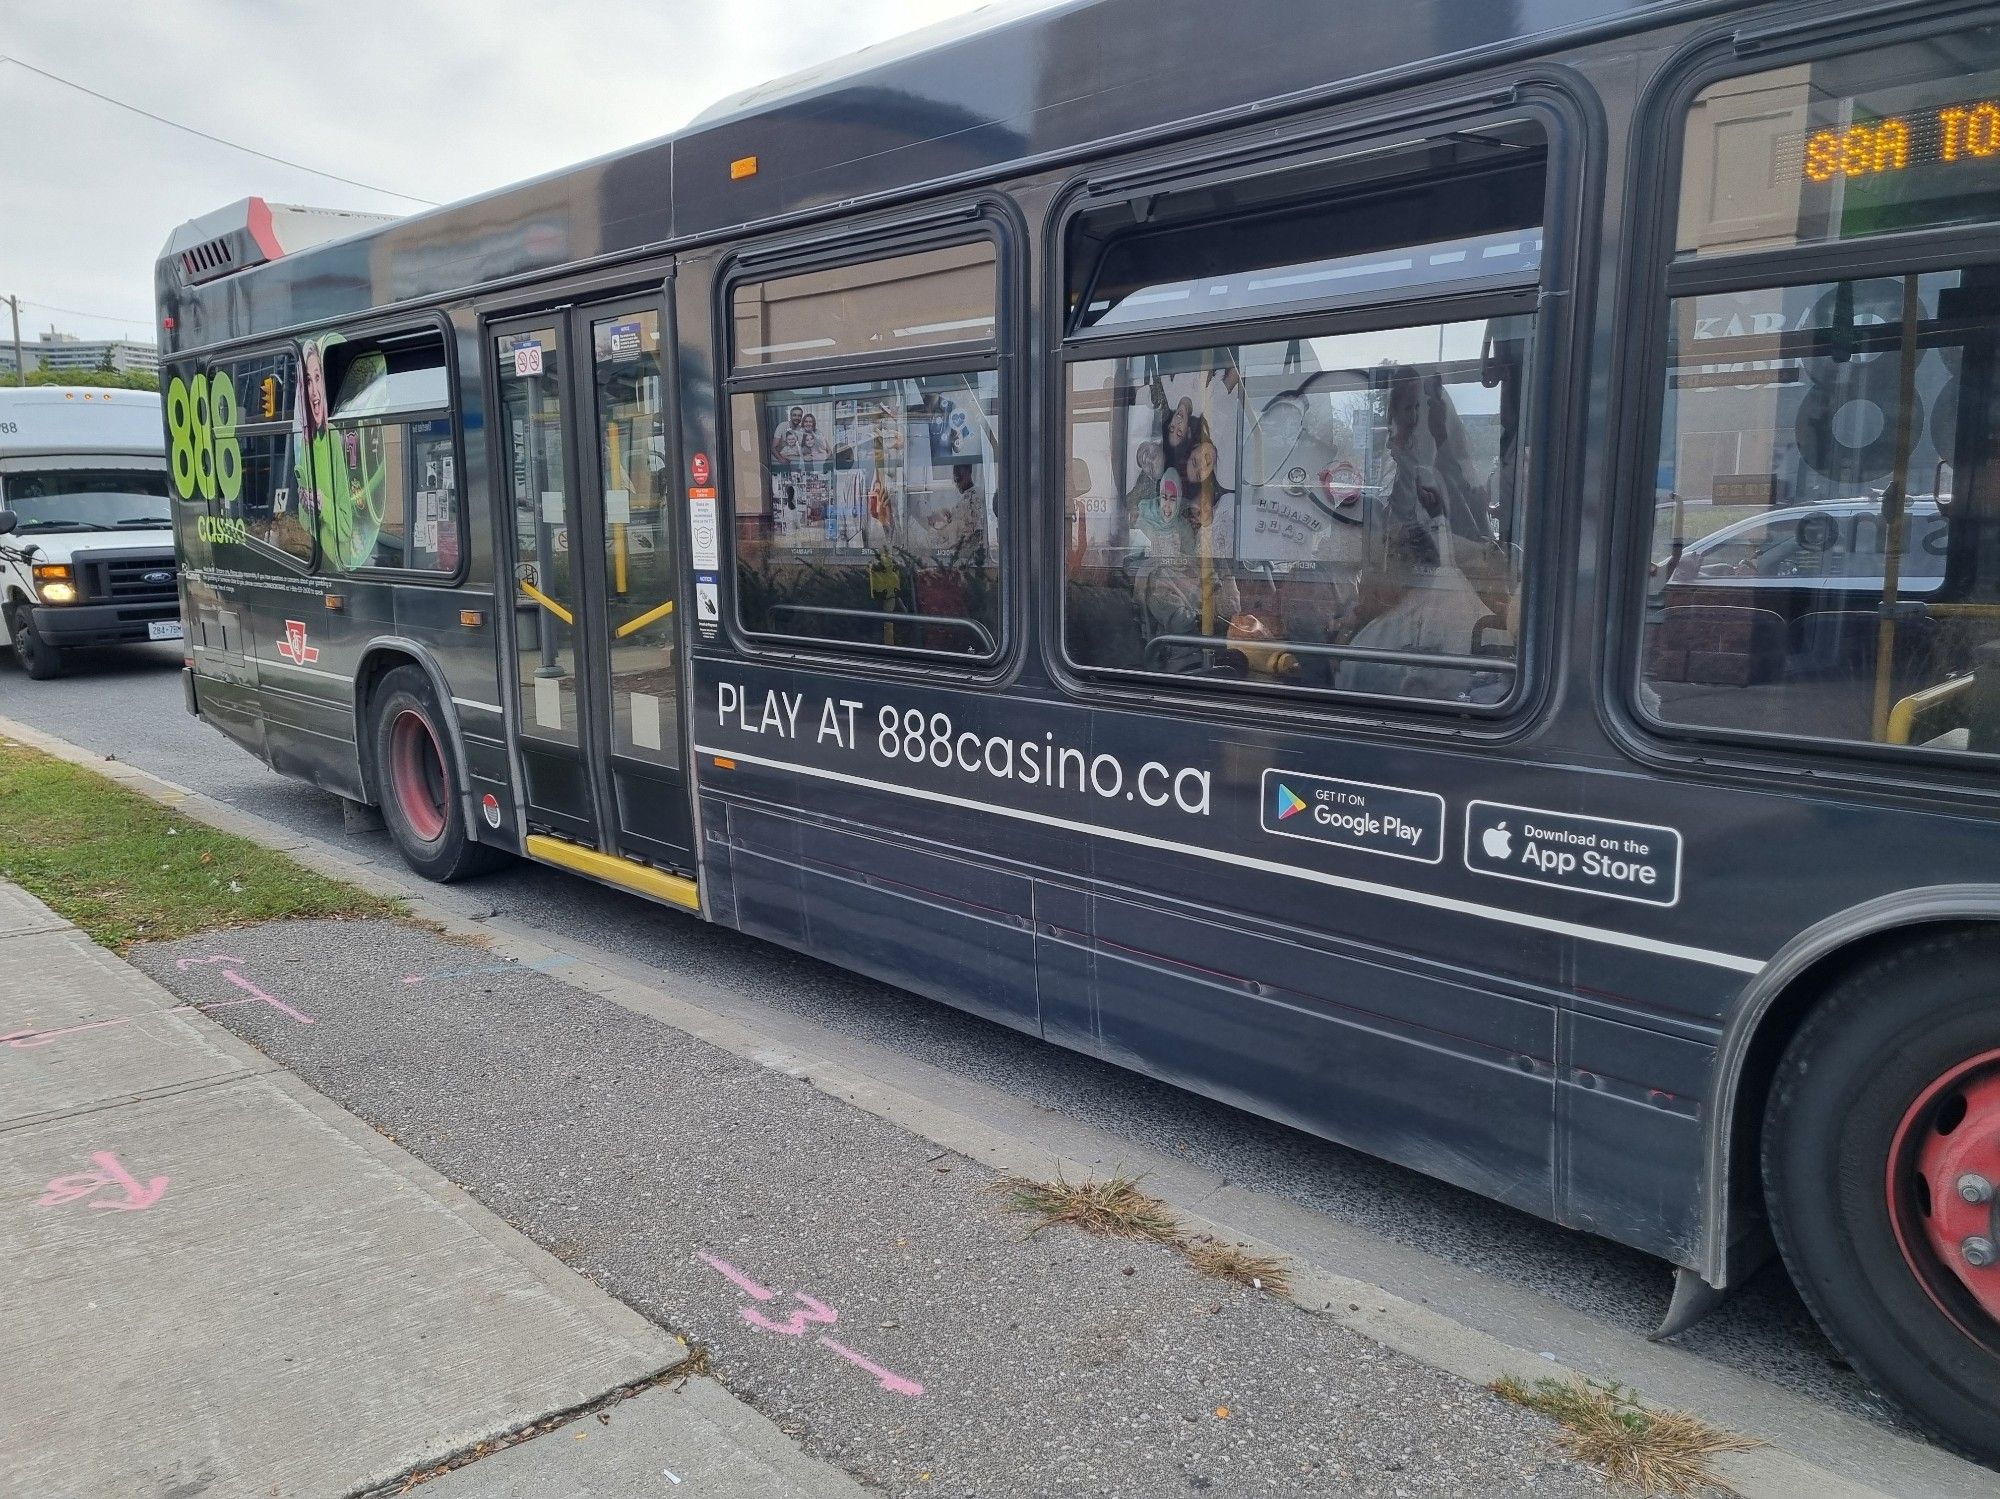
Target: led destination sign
[(1966, 132)]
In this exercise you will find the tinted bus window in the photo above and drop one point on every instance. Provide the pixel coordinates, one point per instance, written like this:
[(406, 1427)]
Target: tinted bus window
[(1825, 548), (867, 506), (265, 394), (1898, 138), (1327, 510), (381, 466), (910, 302)]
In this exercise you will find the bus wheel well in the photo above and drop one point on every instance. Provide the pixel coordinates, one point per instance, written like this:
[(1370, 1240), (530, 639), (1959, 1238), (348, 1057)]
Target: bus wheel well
[(1781, 1021), (376, 665)]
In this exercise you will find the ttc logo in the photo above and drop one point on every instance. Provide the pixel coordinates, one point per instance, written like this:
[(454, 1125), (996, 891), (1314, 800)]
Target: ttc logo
[(294, 648), (1289, 802)]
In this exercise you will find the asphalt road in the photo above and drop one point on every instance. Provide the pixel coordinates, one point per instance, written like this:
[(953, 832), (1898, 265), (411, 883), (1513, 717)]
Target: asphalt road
[(870, 1293), (128, 704)]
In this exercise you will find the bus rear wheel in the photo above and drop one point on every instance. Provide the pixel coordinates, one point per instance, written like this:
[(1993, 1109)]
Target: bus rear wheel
[(1882, 1171), (416, 784)]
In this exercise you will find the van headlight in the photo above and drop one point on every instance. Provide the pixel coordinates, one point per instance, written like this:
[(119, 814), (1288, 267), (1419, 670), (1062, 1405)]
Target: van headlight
[(55, 583)]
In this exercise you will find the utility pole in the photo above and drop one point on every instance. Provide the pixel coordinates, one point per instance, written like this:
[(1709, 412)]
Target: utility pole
[(20, 369)]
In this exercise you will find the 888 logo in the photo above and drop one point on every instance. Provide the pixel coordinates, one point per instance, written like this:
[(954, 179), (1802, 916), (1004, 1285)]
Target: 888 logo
[(202, 446)]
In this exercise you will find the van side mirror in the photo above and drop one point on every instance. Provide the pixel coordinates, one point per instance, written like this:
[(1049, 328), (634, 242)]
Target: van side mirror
[(8, 522)]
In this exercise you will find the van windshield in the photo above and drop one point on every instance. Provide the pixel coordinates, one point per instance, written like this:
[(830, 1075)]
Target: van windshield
[(83, 499)]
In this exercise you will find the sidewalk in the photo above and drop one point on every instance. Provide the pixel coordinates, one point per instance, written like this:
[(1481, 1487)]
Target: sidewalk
[(220, 1284)]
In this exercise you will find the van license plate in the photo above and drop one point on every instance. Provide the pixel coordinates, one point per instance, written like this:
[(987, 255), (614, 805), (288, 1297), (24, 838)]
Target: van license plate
[(163, 629)]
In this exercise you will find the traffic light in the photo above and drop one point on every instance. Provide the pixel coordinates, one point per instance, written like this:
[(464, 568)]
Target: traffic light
[(267, 400)]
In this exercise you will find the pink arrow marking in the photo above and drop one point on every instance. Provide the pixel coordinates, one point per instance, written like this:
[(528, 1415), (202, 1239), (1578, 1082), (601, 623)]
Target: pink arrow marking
[(895, 1384), (109, 1173)]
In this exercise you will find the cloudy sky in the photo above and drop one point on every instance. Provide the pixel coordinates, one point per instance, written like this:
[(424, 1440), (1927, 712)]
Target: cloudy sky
[(436, 98)]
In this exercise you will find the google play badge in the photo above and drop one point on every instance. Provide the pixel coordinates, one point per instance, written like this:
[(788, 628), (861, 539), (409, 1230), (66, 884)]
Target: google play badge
[(1289, 802)]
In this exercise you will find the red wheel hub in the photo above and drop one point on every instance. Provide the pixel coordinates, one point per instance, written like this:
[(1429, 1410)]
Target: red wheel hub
[(1944, 1194), (416, 774)]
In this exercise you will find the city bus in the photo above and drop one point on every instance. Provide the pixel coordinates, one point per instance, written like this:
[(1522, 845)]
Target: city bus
[(1211, 545), (86, 542)]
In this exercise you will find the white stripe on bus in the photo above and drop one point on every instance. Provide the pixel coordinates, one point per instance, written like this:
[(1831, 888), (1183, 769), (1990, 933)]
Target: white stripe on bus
[(1575, 929)]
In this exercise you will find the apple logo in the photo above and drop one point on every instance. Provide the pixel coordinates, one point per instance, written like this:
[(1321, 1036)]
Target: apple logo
[(1497, 842)]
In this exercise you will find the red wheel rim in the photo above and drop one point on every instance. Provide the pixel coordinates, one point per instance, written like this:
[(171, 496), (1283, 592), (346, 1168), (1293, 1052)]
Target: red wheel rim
[(416, 774), (1944, 1195)]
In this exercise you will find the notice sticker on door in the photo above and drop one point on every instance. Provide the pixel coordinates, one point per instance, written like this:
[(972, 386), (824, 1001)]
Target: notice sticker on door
[(703, 539), (707, 607), (527, 359)]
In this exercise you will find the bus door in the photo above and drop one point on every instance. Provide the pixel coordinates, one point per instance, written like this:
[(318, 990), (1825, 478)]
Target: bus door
[(595, 695)]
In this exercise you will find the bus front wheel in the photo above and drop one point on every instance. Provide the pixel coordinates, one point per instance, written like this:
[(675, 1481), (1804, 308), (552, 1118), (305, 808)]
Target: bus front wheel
[(416, 782), (1882, 1171), (34, 654)]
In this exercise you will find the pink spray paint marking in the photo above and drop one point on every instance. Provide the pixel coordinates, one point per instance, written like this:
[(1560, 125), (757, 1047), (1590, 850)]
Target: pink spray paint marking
[(244, 984), (736, 1277), (109, 1173), (29, 1040), (895, 1384), (794, 1325), (810, 1311)]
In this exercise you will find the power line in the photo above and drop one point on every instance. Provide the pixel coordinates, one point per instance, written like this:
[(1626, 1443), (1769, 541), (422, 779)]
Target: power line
[(218, 140), (102, 317)]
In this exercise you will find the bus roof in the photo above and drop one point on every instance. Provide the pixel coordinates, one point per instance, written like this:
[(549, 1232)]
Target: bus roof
[(1007, 86), (72, 421)]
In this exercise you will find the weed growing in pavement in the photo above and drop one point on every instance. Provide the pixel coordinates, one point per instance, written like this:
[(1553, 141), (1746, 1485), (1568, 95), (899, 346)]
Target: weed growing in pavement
[(1119, 1210), (1260, 1272), (127, 870), (1115, 1208), (1662, 1452)]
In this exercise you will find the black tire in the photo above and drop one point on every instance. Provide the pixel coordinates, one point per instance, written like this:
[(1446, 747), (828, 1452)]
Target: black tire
[(34, 655), (416, 781), (1862, 1091)]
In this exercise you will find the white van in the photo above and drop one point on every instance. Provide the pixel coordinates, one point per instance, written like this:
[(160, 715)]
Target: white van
[(86, 532)]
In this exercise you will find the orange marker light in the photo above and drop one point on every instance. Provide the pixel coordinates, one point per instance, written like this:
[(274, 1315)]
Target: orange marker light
[(472, 619), (724, 764), (743, 166)]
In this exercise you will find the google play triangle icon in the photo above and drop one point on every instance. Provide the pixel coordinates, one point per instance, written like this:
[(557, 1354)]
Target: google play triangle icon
[(1289, 802)]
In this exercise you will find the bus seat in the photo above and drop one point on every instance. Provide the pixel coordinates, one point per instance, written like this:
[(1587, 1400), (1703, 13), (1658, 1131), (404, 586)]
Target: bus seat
[(1725, 645)]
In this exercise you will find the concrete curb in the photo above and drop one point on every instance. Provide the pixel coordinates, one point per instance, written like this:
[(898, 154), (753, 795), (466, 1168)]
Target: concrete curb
[(1422, 1333)]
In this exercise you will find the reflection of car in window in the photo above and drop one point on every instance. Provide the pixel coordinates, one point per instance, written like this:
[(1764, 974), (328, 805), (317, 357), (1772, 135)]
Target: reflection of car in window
[(1839, 545)]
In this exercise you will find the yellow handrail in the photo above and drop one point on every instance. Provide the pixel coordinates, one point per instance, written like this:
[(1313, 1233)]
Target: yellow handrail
[(633, 626), (1903, 717), (546, 602)]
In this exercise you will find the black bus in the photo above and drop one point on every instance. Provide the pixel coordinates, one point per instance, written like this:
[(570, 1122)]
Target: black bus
[(1226, 548)]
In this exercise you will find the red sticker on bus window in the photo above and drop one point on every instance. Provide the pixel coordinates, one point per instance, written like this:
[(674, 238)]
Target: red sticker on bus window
[(698, 468)]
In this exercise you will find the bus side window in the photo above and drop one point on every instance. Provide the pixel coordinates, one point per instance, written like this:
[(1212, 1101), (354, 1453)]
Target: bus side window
[(1336, 505), (264, 392), (380, 469), (1823, 562), (867, 505)]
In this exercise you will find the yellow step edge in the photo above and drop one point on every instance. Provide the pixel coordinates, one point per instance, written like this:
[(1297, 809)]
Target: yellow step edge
[(657, 883)]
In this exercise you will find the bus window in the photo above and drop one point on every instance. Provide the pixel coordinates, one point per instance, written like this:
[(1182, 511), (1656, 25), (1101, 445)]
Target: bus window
[(1327, 510), (1825, 549), (264, 390), (867, 507), (381, 466)]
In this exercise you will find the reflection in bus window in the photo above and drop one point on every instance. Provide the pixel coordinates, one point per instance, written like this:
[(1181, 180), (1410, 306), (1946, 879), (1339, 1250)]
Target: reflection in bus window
[(867, 512), (1331, 512), (638, 543), (1824, 557), (379, 466)]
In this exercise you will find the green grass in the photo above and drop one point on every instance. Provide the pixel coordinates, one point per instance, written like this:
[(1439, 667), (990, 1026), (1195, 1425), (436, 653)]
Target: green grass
[(128, 870)]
